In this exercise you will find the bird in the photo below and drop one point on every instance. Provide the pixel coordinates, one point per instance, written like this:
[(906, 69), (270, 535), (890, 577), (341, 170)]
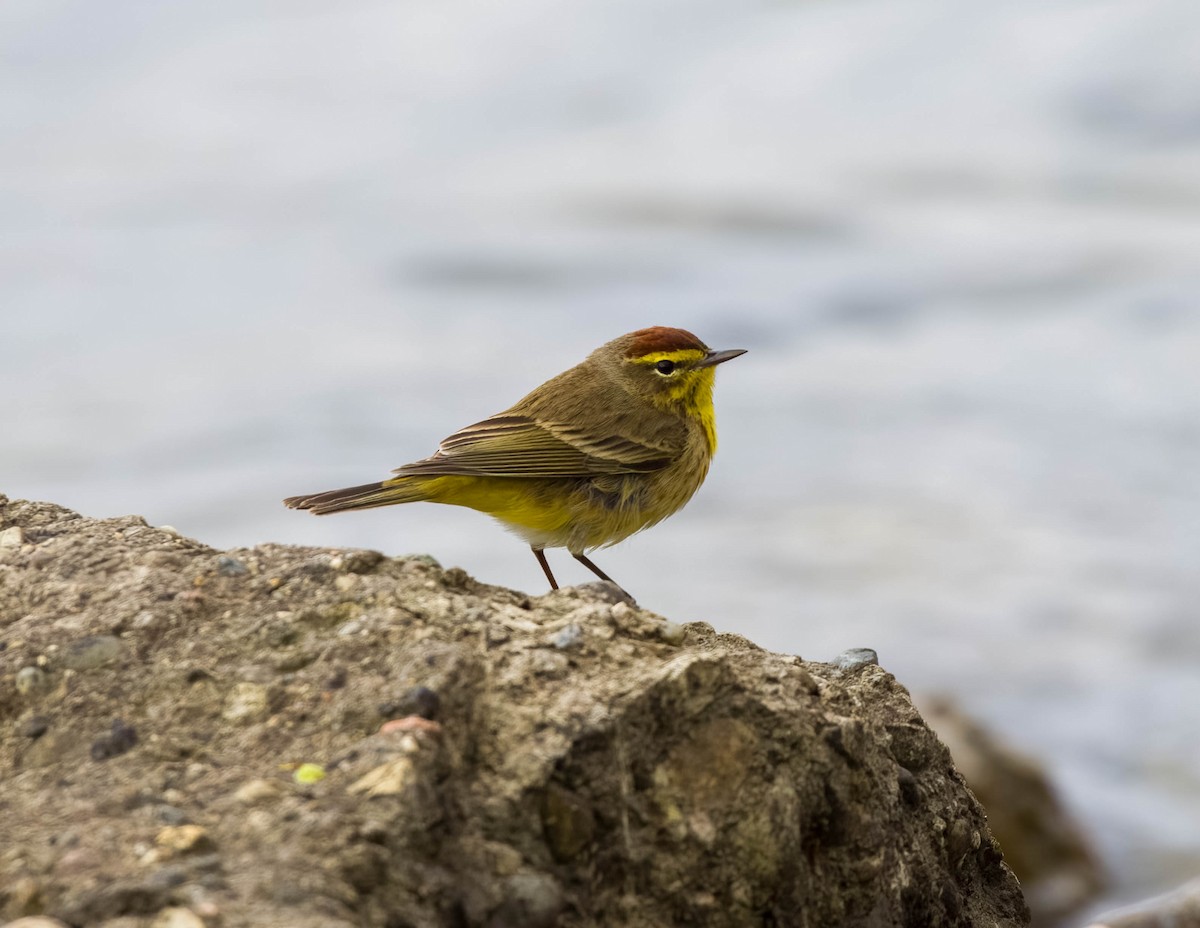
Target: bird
[(605, 449)]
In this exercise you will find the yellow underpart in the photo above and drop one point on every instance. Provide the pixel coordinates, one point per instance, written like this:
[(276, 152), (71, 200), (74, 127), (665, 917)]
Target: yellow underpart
[(521, 503)]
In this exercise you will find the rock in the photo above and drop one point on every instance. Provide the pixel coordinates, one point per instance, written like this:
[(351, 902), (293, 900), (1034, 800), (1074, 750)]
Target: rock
[(1178, 909), (531, 900), (36, 921), (177, 917), (568, 638), (308, 774), (12, 537), (1045, 846), (390, 779), (24, 894), (121, 738), (568, 821), (91, 652), (420, 701), (231, 567), (30, 680), (184, 839), (854, 658), (257, 792), (247, 703), (361, 561), (629, 773), (411, 723)]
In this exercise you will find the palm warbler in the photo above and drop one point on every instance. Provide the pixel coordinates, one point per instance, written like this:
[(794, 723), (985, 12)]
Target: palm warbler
[(608, 448)]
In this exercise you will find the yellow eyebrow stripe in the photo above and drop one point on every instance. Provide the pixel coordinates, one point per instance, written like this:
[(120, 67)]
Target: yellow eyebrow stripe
[(679, 356)]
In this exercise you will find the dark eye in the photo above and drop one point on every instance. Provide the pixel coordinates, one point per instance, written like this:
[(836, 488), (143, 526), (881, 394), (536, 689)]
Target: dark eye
[(665, 367)]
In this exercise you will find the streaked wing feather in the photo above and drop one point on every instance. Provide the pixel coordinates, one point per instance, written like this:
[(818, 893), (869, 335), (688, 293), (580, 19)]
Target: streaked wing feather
[(518, 446)]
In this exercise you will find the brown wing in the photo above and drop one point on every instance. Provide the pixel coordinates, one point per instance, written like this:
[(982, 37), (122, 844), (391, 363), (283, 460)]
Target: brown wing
[(510, 445)]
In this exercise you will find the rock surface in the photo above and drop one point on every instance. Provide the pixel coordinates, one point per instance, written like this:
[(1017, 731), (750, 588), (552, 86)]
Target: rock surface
[(476, 756), (1046, 847)]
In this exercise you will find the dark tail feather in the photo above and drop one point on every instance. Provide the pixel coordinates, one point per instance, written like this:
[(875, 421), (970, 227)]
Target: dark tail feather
[(367, 496)]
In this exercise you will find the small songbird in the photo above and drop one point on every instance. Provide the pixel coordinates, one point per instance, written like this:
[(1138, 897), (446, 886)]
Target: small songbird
[(610, 447)]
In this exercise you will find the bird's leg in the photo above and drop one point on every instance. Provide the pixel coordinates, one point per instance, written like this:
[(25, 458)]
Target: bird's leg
[(541, 558), (586, 562)]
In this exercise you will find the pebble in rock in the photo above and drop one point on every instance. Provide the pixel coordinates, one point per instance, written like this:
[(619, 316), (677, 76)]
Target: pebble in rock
[(178, 917), (30, 679), (91, 652), (420, 700), (532, 900), (170, 815), (184, 839), (231, 567), (568, 638), (353, 627), (248, 703), (121, 739), (35, 726), (567, 822), (307, 774), (410, 723), (388, 779), (258, 791), (362, 561), (854, 658)]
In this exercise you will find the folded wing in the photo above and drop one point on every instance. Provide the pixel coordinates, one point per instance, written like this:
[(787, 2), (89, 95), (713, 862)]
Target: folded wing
[(510, 445)]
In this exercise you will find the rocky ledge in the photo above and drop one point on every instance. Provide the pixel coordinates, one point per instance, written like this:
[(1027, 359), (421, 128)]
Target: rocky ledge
[(306, 737)]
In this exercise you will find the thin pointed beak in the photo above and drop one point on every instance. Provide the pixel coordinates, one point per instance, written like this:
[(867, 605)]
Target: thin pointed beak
[(720, 357)]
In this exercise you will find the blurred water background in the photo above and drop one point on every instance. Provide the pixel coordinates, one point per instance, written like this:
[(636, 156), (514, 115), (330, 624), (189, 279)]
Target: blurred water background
[(253, 249)]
